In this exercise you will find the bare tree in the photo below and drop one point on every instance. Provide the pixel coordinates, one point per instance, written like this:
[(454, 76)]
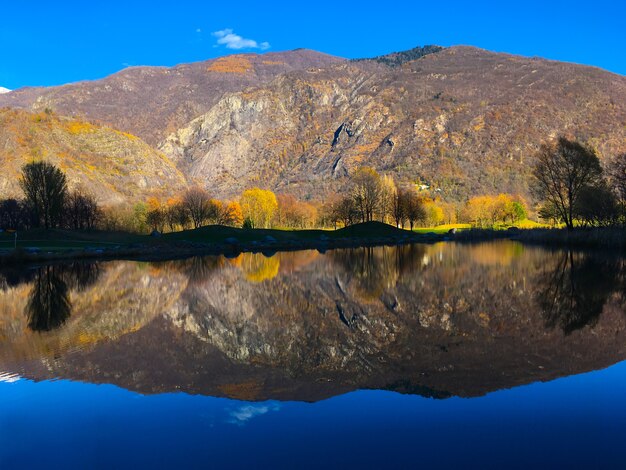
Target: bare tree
[(81, 210), (562, 172), (196, 202), (45, 188)]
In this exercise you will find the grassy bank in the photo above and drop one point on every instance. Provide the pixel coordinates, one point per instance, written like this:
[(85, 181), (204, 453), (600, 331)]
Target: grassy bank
[(40, 245)]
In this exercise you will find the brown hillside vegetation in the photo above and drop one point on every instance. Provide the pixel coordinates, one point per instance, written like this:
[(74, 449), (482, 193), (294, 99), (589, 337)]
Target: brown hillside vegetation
[(459, 121), (152, 102), (115, 167), (463, 121)]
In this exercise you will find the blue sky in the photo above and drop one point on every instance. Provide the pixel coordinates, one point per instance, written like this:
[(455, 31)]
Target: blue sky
[(49, 43)]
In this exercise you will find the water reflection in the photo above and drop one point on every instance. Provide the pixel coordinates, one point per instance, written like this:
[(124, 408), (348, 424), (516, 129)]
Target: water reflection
[(49, 305), (575, 290), (436, 320)]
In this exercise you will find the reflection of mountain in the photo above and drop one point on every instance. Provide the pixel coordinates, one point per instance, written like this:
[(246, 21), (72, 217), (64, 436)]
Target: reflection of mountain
[(431, 320)]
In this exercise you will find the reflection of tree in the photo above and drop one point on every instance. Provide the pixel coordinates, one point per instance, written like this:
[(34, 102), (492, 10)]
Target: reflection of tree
[(376, 269), (48, 304), (575, 291), (198, 269), (258, 268), (79, 276)]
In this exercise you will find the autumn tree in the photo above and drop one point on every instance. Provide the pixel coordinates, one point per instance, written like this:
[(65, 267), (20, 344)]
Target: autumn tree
[(196, 202), (388, 193), (294, 213), (433, 213), (232, 214), (258, 206), (366, 192), (45, 189), (616, 172), (562, 172), (415, 211), (399, 207)]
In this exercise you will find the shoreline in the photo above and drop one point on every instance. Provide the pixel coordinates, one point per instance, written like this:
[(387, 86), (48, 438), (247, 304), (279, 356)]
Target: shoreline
[(161, 249)]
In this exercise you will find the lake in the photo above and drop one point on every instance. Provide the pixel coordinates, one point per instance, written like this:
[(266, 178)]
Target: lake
[(486, 355)]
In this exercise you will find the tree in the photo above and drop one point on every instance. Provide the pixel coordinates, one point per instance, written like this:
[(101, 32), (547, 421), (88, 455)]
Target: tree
[(45, 189), (399, 207), (81, 210), (232, 215), (294, 213), (11, 214), (388, 192), (366, 192), (597, 206), (415, 211), (616, 170), (562, 172), (258, 206), (197, 205)]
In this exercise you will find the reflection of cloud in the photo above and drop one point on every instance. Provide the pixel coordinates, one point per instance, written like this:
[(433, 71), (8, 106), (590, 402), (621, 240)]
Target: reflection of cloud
[(9, 377), (228, 38), (243, 414)]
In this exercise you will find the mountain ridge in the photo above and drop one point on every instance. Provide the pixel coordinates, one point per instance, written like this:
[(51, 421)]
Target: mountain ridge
[(461, 119)]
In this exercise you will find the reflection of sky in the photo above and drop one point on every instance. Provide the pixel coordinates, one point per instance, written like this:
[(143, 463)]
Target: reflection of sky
[(577, 421)]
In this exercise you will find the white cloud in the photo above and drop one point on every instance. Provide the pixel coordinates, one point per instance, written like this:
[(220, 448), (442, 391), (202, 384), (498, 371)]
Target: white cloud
[(4, 90), (228, 38)]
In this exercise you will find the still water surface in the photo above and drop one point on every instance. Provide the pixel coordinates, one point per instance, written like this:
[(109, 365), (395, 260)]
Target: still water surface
[(442, 355)]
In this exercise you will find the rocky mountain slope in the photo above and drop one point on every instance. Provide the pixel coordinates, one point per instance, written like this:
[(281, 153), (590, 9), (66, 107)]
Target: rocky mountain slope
[(152, 102), (461, 120), (114, 166)]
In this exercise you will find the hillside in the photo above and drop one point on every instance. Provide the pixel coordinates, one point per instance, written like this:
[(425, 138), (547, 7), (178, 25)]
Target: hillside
[(114, 166), (152, 102), (462, 120)]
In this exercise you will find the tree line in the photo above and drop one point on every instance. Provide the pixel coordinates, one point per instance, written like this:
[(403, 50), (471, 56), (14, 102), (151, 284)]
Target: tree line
[(569, 185), (48, 203), (575, 190)]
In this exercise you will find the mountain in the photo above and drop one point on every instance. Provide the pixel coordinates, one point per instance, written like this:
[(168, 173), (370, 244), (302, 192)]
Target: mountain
[(462, 120), (4, 90), (152, 102), (114, 166)]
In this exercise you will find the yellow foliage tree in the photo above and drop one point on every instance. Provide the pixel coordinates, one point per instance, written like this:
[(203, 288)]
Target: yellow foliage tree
[(258, 206), (232, 214)]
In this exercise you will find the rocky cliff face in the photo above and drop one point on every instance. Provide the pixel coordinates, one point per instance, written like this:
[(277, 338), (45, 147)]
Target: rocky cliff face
[(437, 320), (462, 120)]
